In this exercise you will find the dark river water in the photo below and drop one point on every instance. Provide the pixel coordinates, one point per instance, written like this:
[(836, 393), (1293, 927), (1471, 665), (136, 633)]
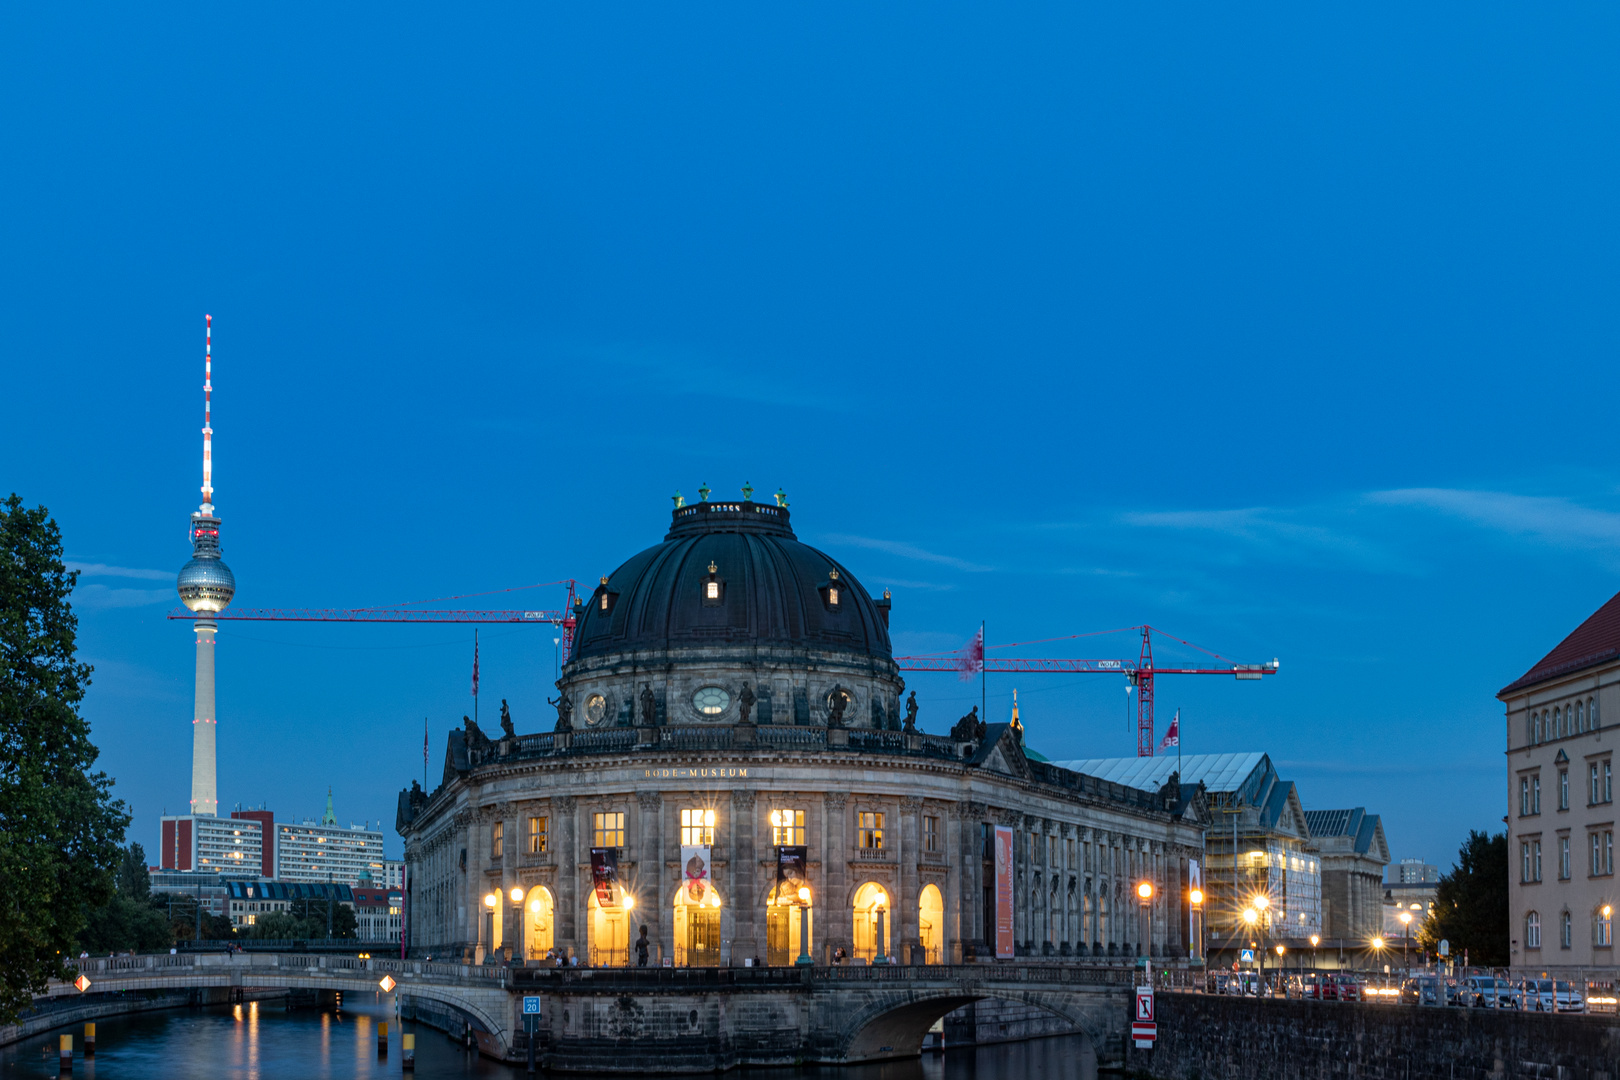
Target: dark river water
[(264, 1039)]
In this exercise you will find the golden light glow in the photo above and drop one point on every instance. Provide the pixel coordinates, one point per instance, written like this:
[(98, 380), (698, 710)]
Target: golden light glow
[(1607, 911), (517, 895), (1250, 915), (534, 906), (1406, 918), (804, 893), (1262, 901), (1281, 950), (1378, 943), (1145, 890), (1315, 940), (630, 903), (1196, 896), (882, 899), (490, 901)]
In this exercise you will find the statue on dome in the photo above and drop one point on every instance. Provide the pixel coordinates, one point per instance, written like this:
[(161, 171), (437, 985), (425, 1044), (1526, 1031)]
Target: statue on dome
[(970, 728), (565, 710), (837, 702), (649, 707), (745, 703), (911, 713), (506, 721)]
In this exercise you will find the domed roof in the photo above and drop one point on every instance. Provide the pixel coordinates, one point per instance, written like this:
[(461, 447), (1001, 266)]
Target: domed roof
[(731, 573), (206, 584)]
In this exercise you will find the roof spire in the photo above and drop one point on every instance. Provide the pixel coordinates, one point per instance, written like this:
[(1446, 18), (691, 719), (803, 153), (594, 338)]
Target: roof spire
[(329, 818), (208, 407)]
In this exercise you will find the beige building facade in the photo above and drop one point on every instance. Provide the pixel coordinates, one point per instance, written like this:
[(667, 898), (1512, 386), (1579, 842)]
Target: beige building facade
[(1560, 806)]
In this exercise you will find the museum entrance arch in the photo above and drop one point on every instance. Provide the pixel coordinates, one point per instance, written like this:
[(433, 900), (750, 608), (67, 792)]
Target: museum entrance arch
[(610, 930), (786, 911), (539, 922), (931, 924), (871, 912), (697, 925)]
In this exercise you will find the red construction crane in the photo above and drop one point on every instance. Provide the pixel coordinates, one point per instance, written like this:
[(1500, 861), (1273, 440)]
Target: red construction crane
[(1141, 672), (565, 619)]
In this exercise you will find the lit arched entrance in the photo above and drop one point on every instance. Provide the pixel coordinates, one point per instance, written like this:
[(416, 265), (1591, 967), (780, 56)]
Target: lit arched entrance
[(610, 929), (931, 924), (697, 925), (538, 922), (785, 913), (871, 902)]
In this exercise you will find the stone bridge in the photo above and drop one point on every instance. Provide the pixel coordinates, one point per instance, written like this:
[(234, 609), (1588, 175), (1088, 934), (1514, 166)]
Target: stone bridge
[(670, 1019)]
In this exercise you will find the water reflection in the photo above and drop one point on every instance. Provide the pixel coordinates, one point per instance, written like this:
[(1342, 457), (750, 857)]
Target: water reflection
[(264, 1040)]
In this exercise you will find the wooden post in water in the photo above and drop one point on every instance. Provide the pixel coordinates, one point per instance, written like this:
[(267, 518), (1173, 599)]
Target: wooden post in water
[(382, 1038), (407, 1052), (90, 1040), (64, 1052)]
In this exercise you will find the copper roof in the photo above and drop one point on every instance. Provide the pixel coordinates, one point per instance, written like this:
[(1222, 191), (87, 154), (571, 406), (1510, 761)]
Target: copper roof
[(1593, 642)]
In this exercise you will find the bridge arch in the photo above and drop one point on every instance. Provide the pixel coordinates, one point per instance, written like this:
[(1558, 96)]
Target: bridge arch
[(893, 1023)]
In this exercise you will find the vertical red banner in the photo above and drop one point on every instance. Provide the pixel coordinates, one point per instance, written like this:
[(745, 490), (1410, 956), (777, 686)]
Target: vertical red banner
[(1004, 893)]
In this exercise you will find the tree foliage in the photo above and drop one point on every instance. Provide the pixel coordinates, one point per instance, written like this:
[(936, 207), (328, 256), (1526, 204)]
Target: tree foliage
[(1471, 903), (59, 825), (131, 919)]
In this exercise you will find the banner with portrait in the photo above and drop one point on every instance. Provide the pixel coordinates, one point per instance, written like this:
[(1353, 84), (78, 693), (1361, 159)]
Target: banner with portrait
[(792, 871), (1004, 893), (605, 874), (695, 871)]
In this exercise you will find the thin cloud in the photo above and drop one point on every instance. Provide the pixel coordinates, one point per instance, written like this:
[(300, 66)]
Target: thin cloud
[(1548, 518), (1307, 531), (907, 551), (96, 569), (902, 583), (100, 597)]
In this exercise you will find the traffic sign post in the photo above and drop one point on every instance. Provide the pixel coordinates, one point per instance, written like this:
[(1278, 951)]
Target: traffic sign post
[(1246, 956), (1144, 1029), (531, 1024)]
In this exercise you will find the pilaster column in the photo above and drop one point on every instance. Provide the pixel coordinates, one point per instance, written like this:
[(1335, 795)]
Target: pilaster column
[(836, 914), (569, 915), (747, 927), (907, 903), (651, 902)]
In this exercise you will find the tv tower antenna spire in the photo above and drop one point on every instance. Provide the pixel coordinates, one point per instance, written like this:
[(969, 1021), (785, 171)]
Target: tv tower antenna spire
[(208, 410)]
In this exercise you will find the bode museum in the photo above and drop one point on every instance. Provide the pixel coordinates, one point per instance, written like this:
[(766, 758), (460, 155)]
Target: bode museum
[(737, 775)]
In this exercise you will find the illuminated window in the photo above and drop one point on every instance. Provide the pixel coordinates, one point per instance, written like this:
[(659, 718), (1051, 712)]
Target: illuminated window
[(609, 830), (832, 595), (787, 828), (537, 836), (603, 602), (697, 827), (497, 839), (930, 833), (711, 701), (711, 590), (869, 830), (1603, 926)]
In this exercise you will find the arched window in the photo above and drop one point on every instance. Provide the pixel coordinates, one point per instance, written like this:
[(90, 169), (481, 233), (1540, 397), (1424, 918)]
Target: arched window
[(1532, 930), (1592, 712), (1603, 926), (1558, 723), (1580, 716)]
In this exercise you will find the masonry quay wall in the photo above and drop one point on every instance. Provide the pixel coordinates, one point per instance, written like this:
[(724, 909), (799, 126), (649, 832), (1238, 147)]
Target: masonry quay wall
[(1206, 1037)]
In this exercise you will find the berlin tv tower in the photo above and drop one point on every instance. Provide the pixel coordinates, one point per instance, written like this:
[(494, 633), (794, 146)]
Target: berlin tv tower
[(206, 585)]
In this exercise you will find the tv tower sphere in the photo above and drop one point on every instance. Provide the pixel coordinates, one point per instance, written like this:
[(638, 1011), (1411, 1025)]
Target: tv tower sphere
[(206, 583)]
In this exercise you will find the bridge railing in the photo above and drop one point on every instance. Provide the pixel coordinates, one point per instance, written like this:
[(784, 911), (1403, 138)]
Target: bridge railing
[(187, 963)]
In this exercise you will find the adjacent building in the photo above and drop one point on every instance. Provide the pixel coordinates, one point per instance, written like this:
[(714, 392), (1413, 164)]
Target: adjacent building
[(1354, 852), (377, 913), (318, 851), (249, 901), (205, 843), (1560, 805)]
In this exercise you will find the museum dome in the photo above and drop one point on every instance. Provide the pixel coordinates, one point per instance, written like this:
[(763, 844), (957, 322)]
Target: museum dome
[(727, 574)]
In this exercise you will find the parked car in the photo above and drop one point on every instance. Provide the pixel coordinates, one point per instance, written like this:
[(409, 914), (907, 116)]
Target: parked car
[(1550, 995), (1344, 988), (1308, 985), (1423, 990), (1489, 992)]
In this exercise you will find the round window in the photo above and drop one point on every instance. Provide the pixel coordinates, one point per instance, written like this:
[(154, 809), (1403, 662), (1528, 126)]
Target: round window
[(711, 701), (595, 709)]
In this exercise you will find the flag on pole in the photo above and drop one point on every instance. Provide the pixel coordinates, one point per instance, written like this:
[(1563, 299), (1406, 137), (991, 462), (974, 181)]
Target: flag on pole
[(424, 742), (475, 668), (1172, 737), (971, 662)]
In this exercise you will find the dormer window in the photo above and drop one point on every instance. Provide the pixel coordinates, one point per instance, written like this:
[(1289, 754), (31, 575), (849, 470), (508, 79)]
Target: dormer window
[(832, 591), (605, 598), (713, 587)]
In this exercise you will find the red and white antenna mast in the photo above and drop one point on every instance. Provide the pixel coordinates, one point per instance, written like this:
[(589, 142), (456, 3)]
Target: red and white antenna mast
[(208, 427)]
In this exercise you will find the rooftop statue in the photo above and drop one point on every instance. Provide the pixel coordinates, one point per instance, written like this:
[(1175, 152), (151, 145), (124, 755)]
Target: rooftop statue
[(476, 739), (745, 703), (506, 721), (911, 713), (837, 702), (970, 728), (565, 711), (649, 707)]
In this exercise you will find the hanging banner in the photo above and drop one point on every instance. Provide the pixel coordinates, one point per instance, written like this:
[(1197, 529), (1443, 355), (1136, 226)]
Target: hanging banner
[(604, 874), (1004, 892), (792, 871), (695, 870)]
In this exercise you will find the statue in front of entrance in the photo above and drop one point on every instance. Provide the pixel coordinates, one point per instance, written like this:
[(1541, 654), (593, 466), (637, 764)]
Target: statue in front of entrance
[(649, 707), (911, 713), (506, 721), (745, 703)]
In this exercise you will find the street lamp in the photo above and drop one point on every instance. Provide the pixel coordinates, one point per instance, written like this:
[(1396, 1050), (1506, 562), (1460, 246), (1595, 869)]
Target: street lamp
[(1251, 916), (1280, 951), (1316, 939), (490, 900), (882, 956), (804, 928), (1196, 898), (1144, 894), (1406, 927), (1378, 948)]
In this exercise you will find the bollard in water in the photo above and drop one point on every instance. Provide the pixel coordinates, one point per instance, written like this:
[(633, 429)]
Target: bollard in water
[(382, 1038), (64, 1050), (90, 1040), (407, 1052)]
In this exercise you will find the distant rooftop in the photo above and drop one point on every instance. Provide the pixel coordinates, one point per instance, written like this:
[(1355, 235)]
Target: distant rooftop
[(1217, 772), (1593, 642)]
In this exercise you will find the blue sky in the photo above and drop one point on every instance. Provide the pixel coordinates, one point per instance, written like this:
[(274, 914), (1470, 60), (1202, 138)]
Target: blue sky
[(1288, 330)]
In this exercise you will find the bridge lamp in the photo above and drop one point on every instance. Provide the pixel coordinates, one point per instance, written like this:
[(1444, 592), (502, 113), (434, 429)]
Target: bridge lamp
[(490, 901), (1196, 896), (517, 895), (629, 902), (1378, 943)]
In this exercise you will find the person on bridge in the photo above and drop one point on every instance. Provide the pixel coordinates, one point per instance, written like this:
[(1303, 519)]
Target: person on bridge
[(642, 946)]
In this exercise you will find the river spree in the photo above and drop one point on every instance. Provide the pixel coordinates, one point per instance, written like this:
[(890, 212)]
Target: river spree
[(266, 1040)]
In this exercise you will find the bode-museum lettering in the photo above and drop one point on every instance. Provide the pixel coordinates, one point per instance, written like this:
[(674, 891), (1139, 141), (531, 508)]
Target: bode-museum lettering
[(733, 774)]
